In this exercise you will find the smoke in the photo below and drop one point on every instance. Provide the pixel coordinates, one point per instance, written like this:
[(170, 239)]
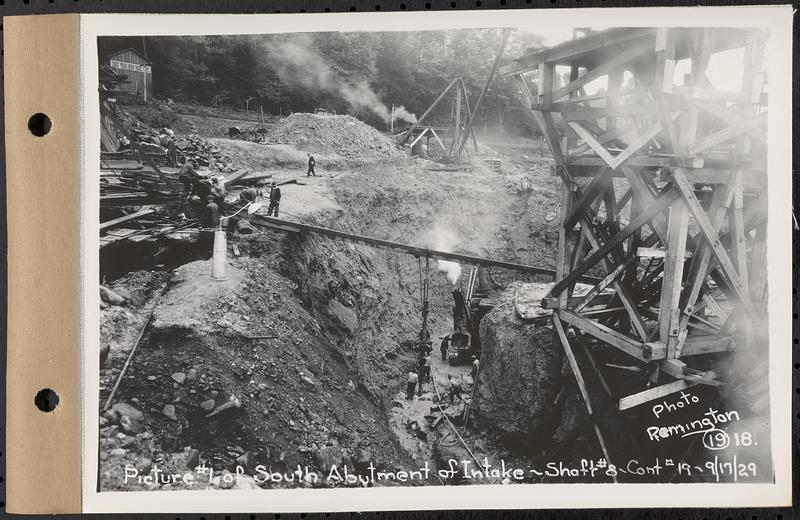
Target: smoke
[(295, 61), (444, 239), (402, 114)]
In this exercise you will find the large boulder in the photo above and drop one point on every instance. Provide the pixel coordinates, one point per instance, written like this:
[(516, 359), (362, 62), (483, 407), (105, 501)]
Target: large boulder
[(520, 374)]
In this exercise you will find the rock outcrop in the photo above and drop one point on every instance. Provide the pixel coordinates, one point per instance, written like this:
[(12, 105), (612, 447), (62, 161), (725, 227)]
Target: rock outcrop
[(520, 374)]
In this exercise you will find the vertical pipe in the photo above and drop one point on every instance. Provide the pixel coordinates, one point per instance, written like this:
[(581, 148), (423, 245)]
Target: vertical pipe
[(219, 259)]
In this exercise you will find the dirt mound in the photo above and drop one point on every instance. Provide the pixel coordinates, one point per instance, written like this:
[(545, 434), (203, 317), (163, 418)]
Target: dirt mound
[(343, 135), (520, 373)]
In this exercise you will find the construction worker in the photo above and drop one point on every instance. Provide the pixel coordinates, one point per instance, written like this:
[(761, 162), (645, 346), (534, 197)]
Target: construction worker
[(274, 199), (196, 209), (211, 219), (248, 195), (311, 163), (411, 384), (476, 366), (424, 372), (188, 176), (454, 389), (444, 346)]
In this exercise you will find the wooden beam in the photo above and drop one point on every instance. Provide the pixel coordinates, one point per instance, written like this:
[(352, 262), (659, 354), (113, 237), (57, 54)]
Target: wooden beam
[(622, 291), (758, 271), (576, 371), (712, 238), (546, 79), (607, 335), (728, 133), (415, 141), (126, 218), (416, 125), (648, 214), (571, 49), (588, 196), (611, 277), (669, 313), (642, 110), (506, 33), (607, 136), (562, 259), (593, 143), (652, 394), (698, 345), (738, 243), (599, 71), (724, 115)]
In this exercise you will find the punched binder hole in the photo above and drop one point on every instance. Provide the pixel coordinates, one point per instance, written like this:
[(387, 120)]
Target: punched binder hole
[(39, 124), (46, 400)]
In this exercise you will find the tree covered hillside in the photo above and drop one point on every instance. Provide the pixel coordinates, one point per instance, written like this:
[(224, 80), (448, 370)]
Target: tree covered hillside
[(359, 73)]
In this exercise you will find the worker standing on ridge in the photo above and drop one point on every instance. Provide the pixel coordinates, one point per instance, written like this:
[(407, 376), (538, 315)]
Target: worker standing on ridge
[(444, 346), (211, 219), (411, 384), (311, 163), (274, 200), (188, 177)]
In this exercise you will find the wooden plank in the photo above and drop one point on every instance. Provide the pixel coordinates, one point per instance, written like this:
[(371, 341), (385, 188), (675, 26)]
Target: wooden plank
[(573, 49), (656, 252), (701, 263), (641, 161), (611, 277), (698, 345), (546, 79), (711, 236), (728, 133), (605, 334), (489, 80), (588, 196), (736, 225), (576, 371), (652, 210), (641, 190), (758, 271), (416, 125), (669, 313), (724, 115), (642, 110), (592, 142), (636, 145), (622, 291), (126, 218), (553, 303), (419, 137), (596, 72), (561, 253), (652, 394)]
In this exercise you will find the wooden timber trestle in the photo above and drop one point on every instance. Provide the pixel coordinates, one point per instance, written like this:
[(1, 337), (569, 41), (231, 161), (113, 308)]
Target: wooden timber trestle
[(690, 164), (416, 251)]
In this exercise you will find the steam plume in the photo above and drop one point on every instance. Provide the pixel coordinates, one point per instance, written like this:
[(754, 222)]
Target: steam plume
[(402, 114), (444, 239), (295, 61)]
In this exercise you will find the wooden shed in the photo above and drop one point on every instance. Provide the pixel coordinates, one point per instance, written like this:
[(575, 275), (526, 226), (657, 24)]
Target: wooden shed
[(136, 67)]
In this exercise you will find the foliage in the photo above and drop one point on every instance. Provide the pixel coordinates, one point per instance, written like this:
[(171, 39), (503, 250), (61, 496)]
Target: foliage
[(359, 73)]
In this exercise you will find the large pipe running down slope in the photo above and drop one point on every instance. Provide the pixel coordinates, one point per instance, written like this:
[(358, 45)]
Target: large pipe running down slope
[(417, 251)]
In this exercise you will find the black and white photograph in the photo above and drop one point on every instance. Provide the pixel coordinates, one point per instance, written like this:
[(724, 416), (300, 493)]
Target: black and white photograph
[(528, 254)]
